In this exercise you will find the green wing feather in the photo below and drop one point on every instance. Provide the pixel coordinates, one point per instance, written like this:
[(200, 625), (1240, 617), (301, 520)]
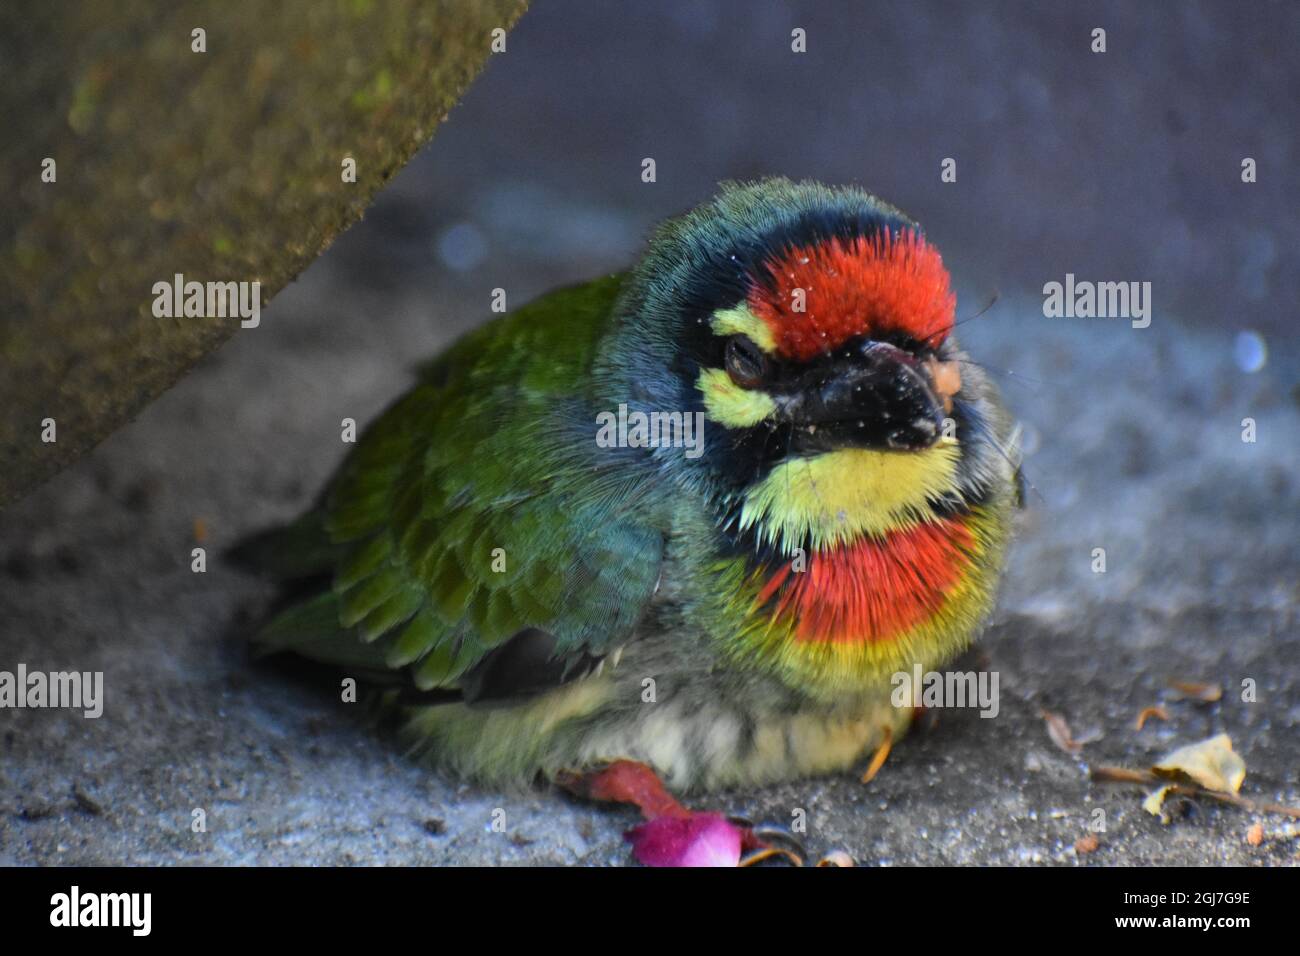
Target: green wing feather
[(474, 509)]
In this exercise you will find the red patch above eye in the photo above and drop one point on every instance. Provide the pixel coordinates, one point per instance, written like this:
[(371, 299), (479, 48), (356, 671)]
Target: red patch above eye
[(850, 287)]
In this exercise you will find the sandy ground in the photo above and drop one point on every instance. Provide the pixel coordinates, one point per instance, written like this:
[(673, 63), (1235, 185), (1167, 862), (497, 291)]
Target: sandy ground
[(1135, 442)]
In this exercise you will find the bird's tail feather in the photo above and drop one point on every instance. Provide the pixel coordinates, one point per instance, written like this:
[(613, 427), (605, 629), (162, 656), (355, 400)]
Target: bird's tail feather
[(310, 628)]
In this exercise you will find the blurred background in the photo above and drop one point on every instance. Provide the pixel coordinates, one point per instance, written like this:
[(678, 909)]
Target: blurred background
[(1123, 165), (1115, 166)]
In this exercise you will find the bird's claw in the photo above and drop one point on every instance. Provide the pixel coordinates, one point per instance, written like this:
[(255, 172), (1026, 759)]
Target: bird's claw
[(675, 836), (878, 758), (766, 841)]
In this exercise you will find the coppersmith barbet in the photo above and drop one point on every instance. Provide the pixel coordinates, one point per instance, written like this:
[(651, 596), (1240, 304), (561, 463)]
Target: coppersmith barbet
[(727, 615)]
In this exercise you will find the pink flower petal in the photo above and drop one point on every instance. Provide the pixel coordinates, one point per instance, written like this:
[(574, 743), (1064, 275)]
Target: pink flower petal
[(702, 839)]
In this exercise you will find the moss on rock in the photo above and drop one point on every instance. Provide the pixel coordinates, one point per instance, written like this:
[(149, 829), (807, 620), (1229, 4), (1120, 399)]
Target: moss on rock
[(222, 165)]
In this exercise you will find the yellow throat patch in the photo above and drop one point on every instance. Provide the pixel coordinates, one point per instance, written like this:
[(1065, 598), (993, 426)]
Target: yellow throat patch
[(839, 496)]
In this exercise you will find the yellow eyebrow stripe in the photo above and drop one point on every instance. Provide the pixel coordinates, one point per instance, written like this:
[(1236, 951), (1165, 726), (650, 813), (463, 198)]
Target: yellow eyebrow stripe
[(740, 321), (728, 404)]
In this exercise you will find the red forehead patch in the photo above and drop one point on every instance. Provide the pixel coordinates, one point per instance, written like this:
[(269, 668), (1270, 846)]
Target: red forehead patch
[(851, 287)]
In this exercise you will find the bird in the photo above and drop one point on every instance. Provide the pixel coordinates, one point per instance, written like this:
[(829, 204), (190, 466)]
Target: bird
[(676, 529)]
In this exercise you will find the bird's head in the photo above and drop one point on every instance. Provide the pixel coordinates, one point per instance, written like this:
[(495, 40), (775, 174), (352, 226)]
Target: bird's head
[(809, 329), (801, 322), (841, 341)]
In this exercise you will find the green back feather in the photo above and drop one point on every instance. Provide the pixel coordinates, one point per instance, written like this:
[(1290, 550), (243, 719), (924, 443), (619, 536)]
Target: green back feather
[(474, 509)]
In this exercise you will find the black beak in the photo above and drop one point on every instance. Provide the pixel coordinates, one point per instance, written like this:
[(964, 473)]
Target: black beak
[(869, 395)]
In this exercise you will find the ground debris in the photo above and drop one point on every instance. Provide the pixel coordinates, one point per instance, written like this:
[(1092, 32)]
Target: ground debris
[(1195, 690), (1148, 712), (1060, 732), (1212, 763), (85, 801), (1209, 768)]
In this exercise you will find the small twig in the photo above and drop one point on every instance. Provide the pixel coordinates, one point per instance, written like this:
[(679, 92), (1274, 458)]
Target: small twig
[(1121, 775), (1147, 778), (1148, 712)]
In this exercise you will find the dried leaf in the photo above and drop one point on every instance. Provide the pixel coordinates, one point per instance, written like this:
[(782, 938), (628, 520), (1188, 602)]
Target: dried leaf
[(1255, 835), (1148, 712), (1060, 733), (1211, 763), (1147, 777), (1154, 804), (1087, 844), (1192, 690)]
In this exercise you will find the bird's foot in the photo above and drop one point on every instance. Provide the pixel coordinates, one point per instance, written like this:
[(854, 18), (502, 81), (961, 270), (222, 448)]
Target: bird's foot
[(674, 835), (878, 758), (768, 841)]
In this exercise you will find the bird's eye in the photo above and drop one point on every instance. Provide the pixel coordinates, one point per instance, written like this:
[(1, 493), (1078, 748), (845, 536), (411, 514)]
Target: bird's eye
[(745, 361)]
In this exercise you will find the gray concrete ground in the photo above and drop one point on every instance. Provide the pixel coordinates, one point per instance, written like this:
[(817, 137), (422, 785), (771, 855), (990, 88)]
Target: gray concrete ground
[(1115, 172)]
